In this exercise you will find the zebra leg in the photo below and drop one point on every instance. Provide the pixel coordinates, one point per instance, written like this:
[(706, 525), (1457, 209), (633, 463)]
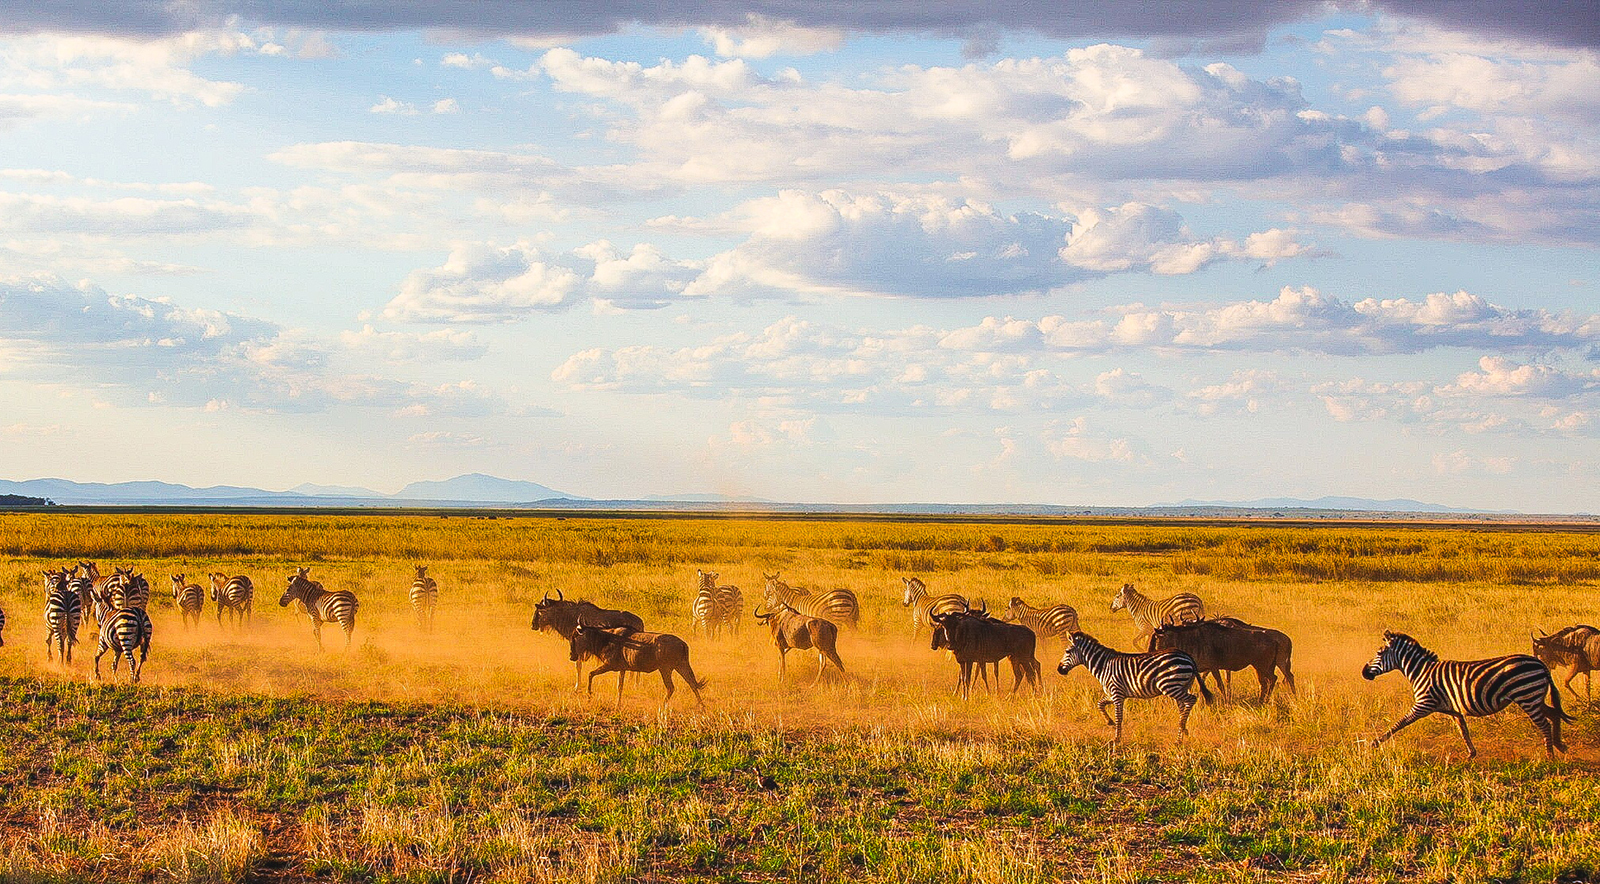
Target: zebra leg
[(1186, 703), (1119, 721), (1548, 720), (132, 668), (1417, 713), (1104, 704), (1472, 751)]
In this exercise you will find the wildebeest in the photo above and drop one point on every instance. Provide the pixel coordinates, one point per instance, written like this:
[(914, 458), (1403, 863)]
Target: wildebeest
[(979, 639), (563, 617), (622, 650), (792, 630), (1575, 647), (1227, 644)]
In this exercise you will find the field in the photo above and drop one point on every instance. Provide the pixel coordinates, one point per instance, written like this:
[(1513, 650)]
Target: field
[(466, 755)]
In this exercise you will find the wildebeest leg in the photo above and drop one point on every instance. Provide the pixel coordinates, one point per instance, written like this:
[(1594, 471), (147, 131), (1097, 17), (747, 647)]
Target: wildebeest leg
[(783, 663), (1412, 717), (577, 680), (622, 675), (1016, 676), (964, 681), (666, 680), (601, 670), (1268, 680), (833, 657)]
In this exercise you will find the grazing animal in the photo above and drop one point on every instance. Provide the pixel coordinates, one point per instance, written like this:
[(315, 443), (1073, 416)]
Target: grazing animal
[(1575, 647), (424, 597), (321, 605), (1136, 676), (715, 608), (622, 650), (1459, 688), (63, 612), (234, 595), (1228, 645), (837, 606), (1055, 621), (122, 631), (792, 630), (564, 617), (189, 598), (979, 639), (1148, 613), (924, 606)]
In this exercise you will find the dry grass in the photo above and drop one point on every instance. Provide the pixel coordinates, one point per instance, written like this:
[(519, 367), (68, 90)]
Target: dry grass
[(1249, 784)]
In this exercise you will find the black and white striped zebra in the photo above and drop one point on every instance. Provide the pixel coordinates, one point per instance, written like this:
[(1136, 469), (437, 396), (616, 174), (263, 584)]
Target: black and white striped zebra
[(715, 608), (924, 606), (123, 631), (233, 595), (1135, 676), (1459, 688), (424, 597), (63, 612), (189, 598), (81, 583), (321, 605), (1149, 613), (838, 606), (1056, 621), (2, 627)]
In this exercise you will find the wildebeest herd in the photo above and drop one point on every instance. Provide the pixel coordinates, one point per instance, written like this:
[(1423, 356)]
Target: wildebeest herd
[(1182, 645)]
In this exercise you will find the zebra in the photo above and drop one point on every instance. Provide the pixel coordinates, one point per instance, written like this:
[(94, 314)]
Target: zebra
[(189, 598), (1148, 613), (424, 597), (716, 608), (82, 585), (1056, 621), (232, 594), (838, 606), (62, 615), (2, 627), (924, 606), (321, 605), (1459, 688), (1136, 676), (122, 631)]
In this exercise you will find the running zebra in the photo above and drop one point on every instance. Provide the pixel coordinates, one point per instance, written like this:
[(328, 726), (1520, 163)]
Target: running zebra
[(82, 585), (62, 615), (1056, 621), (1459, 688), (121, 632), (321, 605), (924, 607), (189, 598), (424, 597), (715, 608), (232, 594), (1148, 613), (838, 606), (1135, 676), (135, 593)]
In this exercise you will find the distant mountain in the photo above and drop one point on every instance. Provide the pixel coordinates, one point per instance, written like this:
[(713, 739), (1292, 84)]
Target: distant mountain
[(311, 490), (68, 492), (482, 489), (1348, 504)]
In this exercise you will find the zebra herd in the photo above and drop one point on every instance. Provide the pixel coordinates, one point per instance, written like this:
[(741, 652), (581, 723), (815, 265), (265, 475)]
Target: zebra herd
[(1182, 642)]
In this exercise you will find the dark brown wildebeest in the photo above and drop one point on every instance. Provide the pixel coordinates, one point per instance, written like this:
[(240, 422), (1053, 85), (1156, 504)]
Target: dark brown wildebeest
[(563, 617), (792, 630), (622, 650), (1228, 644), (1575, 647), (979, 639)]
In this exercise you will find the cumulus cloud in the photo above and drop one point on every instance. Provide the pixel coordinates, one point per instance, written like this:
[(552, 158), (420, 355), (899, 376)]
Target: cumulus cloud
[(486, 283), (159, 67), (1076, 441), (159, 352)]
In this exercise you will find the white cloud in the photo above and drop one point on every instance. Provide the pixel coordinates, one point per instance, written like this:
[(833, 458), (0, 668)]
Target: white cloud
[(446, 106), (400, 347), (763, 37), (1077, 442), (54, 62), (387, 105)]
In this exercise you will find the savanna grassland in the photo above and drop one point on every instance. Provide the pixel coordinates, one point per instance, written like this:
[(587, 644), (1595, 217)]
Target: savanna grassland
[(466, 755)]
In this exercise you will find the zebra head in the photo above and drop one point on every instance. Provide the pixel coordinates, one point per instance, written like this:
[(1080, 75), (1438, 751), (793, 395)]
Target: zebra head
[(708, 579), (299, 583), (1072, 657), (1121, 599), (422, 571), (1399, 651), (1016, 609), (54, 581), (177, 586), (915, 589)]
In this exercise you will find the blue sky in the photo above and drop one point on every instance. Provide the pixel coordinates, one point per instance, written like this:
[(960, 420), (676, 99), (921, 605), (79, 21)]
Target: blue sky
[(973, 253)]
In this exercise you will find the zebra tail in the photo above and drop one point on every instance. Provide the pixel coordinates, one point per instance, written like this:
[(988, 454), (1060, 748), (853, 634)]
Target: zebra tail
[(1200, 680), (1555, 704)]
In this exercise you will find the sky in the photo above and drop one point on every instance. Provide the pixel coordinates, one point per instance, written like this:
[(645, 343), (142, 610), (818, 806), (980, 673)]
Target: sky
[(858, 253)]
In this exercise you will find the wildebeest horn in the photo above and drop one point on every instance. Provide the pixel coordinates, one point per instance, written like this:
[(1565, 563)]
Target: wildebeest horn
[(559, 596), (985, 604), (546, 596), (1543, 633)]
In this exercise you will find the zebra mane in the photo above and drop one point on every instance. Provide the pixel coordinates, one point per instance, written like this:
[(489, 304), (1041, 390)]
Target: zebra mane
[(1400, 639)]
